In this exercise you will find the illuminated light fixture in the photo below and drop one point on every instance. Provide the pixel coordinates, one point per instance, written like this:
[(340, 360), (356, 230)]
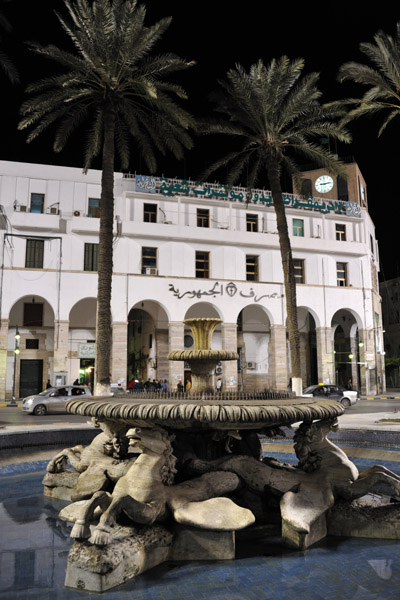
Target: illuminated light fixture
[(360, 344), (17, 335), (351, 356), (17, 350)]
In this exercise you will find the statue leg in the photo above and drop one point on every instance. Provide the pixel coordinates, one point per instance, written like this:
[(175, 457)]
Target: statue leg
[(81, 529), (363, 485), (379, 469)]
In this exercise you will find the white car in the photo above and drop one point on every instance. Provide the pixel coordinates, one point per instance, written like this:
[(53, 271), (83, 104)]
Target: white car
[(54, 399), (332, 392)]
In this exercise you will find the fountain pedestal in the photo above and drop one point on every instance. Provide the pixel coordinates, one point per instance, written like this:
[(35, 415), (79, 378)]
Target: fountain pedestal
[(202, 360)]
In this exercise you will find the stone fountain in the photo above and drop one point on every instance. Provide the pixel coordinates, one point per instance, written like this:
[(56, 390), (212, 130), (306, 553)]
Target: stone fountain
[(202, 359), (174, 476)]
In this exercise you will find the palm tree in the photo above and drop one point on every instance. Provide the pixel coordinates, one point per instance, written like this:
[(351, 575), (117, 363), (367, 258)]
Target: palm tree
[(114, 82), (382, 79), (5, 62), (273, 110)]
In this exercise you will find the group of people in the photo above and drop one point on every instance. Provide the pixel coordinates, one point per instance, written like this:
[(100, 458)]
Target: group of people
[(154, 385)]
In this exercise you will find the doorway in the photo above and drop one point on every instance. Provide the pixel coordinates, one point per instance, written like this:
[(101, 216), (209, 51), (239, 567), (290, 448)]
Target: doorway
[(31, 377)]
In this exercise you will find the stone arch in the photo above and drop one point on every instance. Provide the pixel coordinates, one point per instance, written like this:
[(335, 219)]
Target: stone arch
[(81, 340), (147, 346), (253, 341), (203, 309), (35, 317), (346, 324), (308, 323)]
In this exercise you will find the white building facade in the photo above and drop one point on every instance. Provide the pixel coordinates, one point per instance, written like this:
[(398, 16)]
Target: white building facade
[(182, 250)]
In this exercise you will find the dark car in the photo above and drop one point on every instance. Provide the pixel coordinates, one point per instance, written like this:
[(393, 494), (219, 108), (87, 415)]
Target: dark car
[(333, 392)]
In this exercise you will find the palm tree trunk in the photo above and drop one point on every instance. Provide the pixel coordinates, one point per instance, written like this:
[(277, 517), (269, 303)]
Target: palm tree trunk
[(273, 169), (105, 260)]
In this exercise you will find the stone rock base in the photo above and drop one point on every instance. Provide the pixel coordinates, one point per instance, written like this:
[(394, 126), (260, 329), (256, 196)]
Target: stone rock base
[(301, 540), (133, 551), (368, 518), (98, 569), (60, 485), (202, 544)]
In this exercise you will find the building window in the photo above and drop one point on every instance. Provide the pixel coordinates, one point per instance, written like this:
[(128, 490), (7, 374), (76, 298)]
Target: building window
[(252, 222), (150, 213), (37, 203), (34, 254), (91, 257), (371, 244), (251, 267), (149, 261), (94, 208), (203, 217), (298, 227), (340, 232), (298, 266), (33, 315), (202, 264), (341, 274), (306, 187), (343, 190), (32, 344)]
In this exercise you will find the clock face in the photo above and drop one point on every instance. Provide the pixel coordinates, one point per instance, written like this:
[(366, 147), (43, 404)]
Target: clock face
[(324, 184)]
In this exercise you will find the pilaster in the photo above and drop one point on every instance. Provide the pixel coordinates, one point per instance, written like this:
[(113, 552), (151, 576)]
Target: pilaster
[(162, 341), (3, 356), (368, 360), (175, 342), (278, 357), (119, 352), (325, 357), (229, 367), (60, 355)]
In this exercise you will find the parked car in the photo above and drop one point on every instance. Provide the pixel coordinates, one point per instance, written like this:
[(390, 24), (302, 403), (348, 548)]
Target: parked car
[(333, 392), (54, 399)]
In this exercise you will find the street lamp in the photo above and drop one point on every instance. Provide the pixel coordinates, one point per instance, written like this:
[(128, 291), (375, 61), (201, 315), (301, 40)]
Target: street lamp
[(16, 352)]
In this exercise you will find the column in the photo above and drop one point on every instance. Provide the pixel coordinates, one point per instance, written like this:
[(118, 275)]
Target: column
[(60, 355), (229, 367), (368, 362), (278, 357), (119, 352), (304, 356), (175, 342), (162, 345), (354, 366), (325, 356), (3, 356)]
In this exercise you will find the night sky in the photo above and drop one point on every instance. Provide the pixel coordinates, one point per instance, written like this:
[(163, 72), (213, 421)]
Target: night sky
[(217, 35)]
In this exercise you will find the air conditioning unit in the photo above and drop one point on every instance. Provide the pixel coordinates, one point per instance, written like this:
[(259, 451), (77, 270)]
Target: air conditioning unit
[(77, 213), (168, 223), (22, 208), (53, 210), (151, 271), (251, 365)]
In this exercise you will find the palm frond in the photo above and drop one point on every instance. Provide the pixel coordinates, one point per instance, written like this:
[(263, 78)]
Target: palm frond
[(382, 78)]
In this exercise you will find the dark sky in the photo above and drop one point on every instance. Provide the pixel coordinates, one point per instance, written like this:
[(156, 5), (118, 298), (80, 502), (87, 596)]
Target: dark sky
[(217, 35)]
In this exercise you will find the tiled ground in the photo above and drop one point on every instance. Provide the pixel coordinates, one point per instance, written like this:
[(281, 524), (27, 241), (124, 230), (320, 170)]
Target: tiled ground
[(34, 546)]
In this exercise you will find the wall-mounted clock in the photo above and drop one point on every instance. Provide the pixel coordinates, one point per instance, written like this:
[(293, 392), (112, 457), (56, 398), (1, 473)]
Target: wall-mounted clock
[(324, 184)]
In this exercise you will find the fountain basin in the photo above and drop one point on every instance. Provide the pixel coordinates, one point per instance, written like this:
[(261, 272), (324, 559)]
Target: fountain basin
[(202, 411)]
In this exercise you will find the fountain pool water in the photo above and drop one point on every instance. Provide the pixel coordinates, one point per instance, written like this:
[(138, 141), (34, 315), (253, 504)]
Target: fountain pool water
[(34, 545)]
